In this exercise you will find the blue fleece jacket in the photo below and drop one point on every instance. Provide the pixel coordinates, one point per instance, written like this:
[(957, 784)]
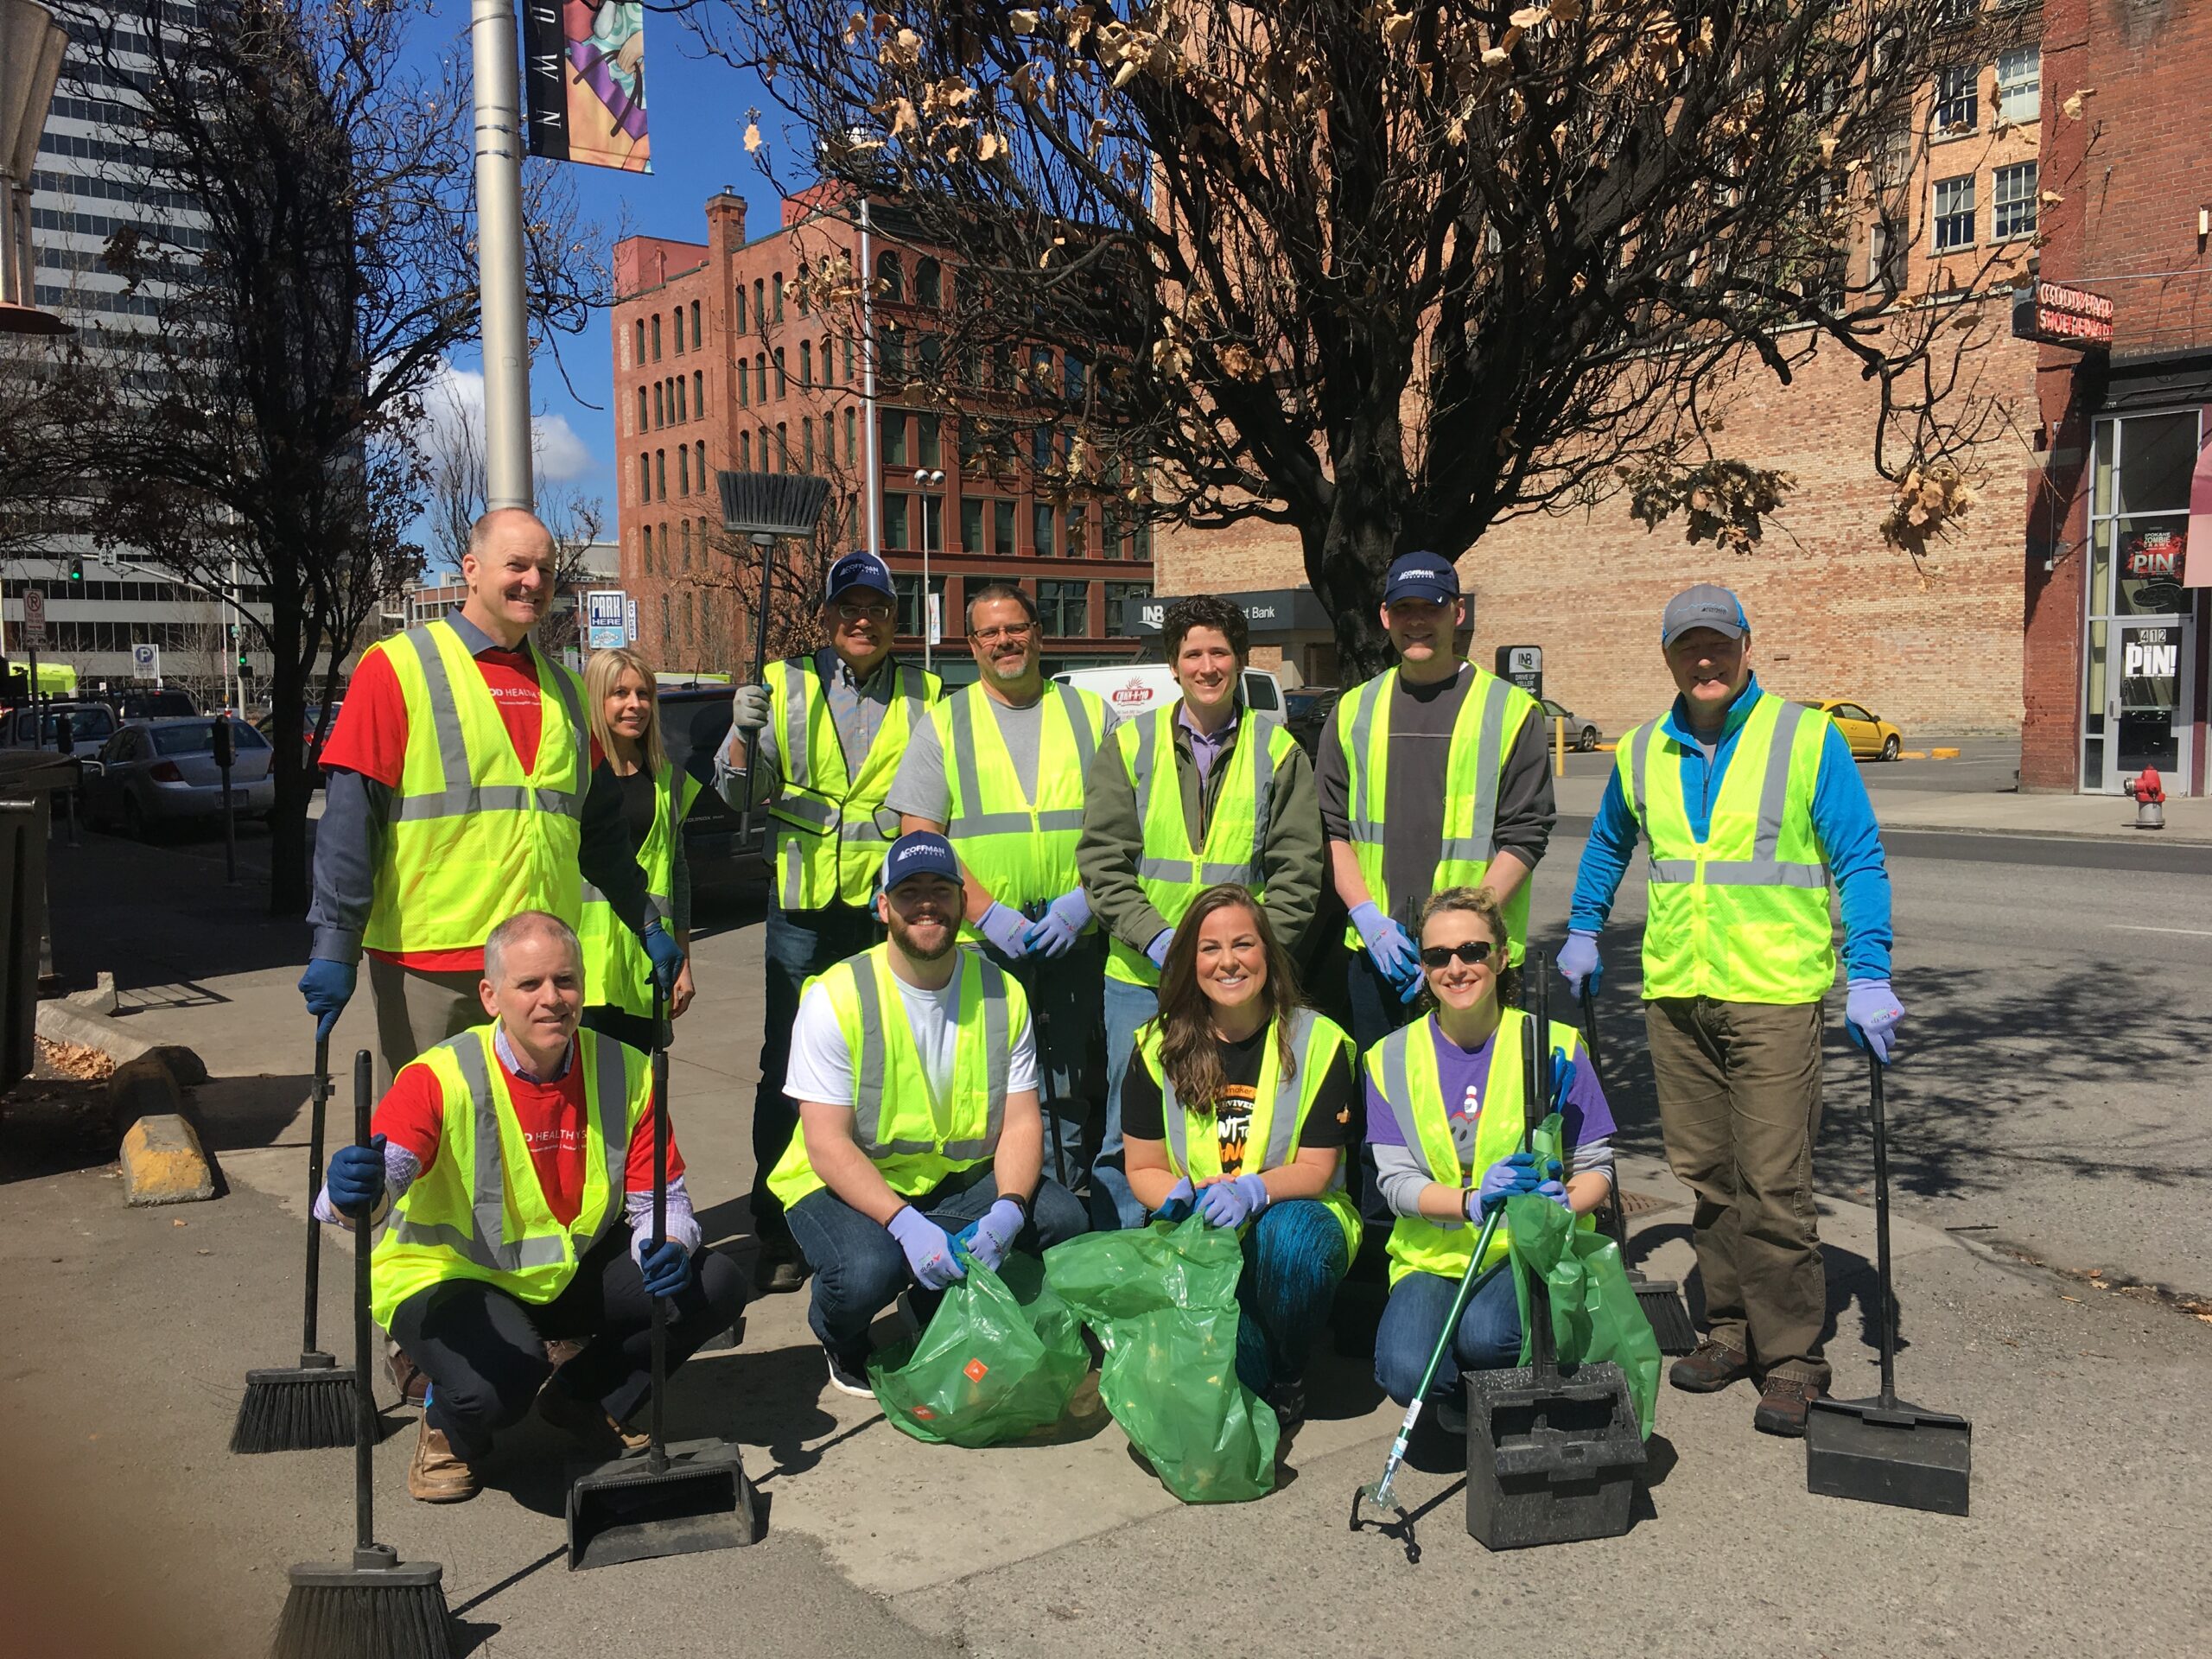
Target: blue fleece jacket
[(1843, 819)]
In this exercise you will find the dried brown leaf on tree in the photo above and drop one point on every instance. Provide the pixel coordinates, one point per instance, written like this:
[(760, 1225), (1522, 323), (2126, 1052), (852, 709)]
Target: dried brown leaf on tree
[(752, 131), (1530, 16), (1397, 27), (1566, 11), (2072, 107), (1023, 22)]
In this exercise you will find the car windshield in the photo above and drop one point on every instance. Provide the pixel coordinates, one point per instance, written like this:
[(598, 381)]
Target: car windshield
[(85, 725), (693, 726), (199, 738)]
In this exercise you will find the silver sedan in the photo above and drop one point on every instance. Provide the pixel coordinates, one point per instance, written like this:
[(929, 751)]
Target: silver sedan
[(158, 772)]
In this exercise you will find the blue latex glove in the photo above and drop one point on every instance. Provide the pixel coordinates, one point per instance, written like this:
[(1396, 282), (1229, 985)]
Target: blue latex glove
[(667, 1267), (1390, 947), (1158, 949), (328, 986), (1054, 933), (1871, 1014), (356, 1179), (929, 1251), (1563, 1079), (991, 1239), (667, 956), (1005, 927), (1232, 1204), (1577, 961), (1501, 1181), (1181, 1193)]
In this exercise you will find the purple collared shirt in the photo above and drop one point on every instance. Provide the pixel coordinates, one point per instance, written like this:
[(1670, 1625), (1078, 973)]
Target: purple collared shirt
[(1205, 747)]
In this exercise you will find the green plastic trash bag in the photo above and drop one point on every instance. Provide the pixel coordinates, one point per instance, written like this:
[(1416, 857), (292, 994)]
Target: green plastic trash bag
[(1002, 1357), (1595, 1317), (1162, 1299)]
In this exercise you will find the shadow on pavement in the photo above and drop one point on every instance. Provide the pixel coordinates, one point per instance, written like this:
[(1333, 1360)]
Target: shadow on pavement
[(238, 1114), (160, 916)]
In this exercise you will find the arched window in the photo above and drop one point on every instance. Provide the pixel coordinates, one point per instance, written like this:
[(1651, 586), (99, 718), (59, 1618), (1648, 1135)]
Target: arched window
[(806, 443), (655, 336), (741, 307), (683, 543), (744, 451), (759, 305), (664, 549), (701, 455), (695, 325), (645, 477), (783, 448), (928, 283), (641, 344), (802, 288), (660, 403), (760, 377), (667, 632), (684, 470), (890, 277), (776, 295), (682, 403), (699, 393), (829, 365), (660, 473), (744, 385), (806, 363), (676, 322), (850, 426), (641, 408), (783, 386)]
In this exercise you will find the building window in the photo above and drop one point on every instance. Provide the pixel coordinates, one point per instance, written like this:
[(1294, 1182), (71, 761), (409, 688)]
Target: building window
[(891, 362), (892, 425), (1040, 447), (667, 631), (801, 289), (1124, 607), (806, 443), (783, 383), (660, 403), (683, 469), (912, 617), (664, 549), (1002, 528), (2013, 202), (928, 283), (682, 403), (849, 360), (851, 426), (971, 524), (741, 307), (641, 408), (1064, 608), (760, 377), (783, 448), (640, 357), (894, 523), (1109, 535), (702, 460), (1076, 375), (806, 363), (829, 365), (890, 277), (1077, 527), (699, 393), (744, 386), (695, 325), (759, 305), (744, 450), (1954, 212), (776, 295), (676, 322), (660, 473), (1955, 101), (684, 542), (2019, 85), (1141, 540), (645, 477), (928, 452), (1040, 525)]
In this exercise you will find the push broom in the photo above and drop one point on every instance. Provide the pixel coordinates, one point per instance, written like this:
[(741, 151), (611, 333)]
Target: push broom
[(302, 1407), (381, 1607)]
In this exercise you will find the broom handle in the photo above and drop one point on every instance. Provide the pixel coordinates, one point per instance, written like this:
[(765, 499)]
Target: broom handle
[(365, 1400), (760, 673), (658, 1455), (1597, 1070), (322, 1098), (1886, 1310)]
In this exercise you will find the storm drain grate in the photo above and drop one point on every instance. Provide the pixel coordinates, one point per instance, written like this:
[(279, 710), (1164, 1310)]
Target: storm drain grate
[(1639, 1203)]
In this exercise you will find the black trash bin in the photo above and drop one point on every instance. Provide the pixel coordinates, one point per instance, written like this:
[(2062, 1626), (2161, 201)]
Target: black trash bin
[(27, 783)]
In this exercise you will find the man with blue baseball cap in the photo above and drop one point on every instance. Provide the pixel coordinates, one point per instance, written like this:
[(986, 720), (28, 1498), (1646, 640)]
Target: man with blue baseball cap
[(914, 1078), (820, 742), (1751, 806)]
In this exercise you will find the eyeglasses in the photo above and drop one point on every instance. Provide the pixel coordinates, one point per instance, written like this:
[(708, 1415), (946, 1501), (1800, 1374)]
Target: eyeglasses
[(1473, 952), (853, 610), (1013, 631)]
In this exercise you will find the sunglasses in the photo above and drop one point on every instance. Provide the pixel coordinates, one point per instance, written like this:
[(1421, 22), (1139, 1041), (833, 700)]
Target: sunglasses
[(1473, 952)]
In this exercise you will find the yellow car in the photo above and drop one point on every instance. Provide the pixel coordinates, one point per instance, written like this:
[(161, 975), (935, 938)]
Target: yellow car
[(1871, 737)]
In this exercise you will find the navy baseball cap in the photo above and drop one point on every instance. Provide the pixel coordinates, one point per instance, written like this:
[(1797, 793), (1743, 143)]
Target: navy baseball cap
[(1421, 575), (859, 569), (1705, 606), (922, 852)]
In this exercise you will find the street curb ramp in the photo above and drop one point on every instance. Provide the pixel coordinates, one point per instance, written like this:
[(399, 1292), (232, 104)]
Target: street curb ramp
[(162, 1159)]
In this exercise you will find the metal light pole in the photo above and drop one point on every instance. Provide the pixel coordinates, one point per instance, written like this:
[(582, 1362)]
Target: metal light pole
[(926, 479), (31, 45), (867, 385), (499, 256)]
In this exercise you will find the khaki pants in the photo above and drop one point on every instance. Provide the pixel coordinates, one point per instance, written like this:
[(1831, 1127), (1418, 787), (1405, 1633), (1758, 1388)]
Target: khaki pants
[(1739, 1101), (416, 1010)]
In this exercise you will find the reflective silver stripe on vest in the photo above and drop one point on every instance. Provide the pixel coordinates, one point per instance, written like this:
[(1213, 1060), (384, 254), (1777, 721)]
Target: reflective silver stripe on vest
[(1282, 1125), (1364, 824), (796, 670), (1639, 757), (1086, 746), (563, 689), (867, 1081), (1762, 868), (613, 1129), (461, 796), (1397, 1094), (811, 811), (1147, 730), (1256, 730), (998, 1058), (1479, 845), (794, 878), (487, 1200)]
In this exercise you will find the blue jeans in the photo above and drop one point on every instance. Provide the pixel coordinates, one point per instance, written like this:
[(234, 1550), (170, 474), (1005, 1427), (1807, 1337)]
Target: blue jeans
[(799, 944), (859, 1268), (1063, 1014), (1126, 1007), (1294, 1258), (1489, 1335)]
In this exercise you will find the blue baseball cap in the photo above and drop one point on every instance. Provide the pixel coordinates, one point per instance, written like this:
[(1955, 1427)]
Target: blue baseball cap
[(1421, 575), (1705, 606), (859, 569), (922, 852)]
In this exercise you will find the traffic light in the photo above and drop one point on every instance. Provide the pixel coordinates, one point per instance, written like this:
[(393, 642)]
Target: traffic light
[(76, 568)]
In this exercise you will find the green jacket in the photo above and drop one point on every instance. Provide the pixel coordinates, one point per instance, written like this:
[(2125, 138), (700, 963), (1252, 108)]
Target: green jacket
[(1107, 852)]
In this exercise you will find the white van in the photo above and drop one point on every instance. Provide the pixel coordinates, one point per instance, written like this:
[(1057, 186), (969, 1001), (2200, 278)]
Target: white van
[(1135, 688)]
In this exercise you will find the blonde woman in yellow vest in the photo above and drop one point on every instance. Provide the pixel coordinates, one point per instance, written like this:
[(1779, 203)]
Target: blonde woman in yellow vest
[(1240, 1102), (623, 696), (1446, 1112), (819, 744)]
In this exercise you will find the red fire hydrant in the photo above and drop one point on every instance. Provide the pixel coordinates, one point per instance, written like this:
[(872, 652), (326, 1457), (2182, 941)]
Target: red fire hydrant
[(2150, 799)]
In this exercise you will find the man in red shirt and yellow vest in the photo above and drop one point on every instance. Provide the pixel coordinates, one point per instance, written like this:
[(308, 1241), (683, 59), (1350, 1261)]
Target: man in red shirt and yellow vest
[(525, 1125)]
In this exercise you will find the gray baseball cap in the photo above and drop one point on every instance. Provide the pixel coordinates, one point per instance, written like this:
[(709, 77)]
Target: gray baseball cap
[(1705, 606)]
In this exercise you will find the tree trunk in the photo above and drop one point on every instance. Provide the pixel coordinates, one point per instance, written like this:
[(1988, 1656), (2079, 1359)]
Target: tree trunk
[(293, 660), (1346, 562)]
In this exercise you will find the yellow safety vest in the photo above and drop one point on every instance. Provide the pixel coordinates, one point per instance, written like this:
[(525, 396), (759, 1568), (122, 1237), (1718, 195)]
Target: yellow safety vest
[(1490, 722), (473, 838), (1402, 1068), (1172, 872), (831, 831), (1279, 1106), (617, 971), (1742, 915), (479, 1211), (1021, 850), (914, 1140)]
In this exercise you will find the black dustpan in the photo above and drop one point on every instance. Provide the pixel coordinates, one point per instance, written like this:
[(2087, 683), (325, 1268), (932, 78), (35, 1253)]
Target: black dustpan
[(1660, 1301), (1883, 1450), (674, 1500)]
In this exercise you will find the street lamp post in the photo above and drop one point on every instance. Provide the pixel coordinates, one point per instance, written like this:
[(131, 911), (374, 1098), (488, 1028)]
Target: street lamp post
[(926, 479)]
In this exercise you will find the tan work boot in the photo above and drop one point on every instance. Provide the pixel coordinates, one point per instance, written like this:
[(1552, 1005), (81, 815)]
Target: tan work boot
[(434, 1475), (583, 1420)]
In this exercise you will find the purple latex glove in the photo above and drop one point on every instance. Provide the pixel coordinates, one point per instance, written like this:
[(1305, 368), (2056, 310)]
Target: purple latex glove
[(1054, 933), (1501, 1181), (929, 1251), (1872, 1013), (991, 1238), (1004, 927), (1555, 1192), (1158, 949), (1232, 1204), (1577, 961), (1390, 947), (1177, 1206)]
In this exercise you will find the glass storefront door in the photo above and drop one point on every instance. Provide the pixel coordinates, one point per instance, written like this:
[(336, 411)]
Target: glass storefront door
[(2149, 718)]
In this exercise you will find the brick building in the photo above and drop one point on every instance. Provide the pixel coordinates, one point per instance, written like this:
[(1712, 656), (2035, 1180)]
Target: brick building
[(725, 357), (2117, 637)]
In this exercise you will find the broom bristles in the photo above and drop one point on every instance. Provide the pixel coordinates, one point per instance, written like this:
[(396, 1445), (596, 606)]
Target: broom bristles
[(364, 1621), (771, 504), (304, 1410)]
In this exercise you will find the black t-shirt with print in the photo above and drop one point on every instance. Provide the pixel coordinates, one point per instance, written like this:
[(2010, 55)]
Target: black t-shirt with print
[(1328, 1124)]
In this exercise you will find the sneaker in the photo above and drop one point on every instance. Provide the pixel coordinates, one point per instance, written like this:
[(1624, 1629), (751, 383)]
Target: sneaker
[(434, 1474), (1287, 1400), (1709, 1369), (1784, 1403), (582, 1421), (1452, 1416), (848, 1372), (780, 1270)]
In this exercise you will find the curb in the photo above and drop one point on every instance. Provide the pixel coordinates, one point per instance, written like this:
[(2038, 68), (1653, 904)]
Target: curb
[(163, 1163), (162, 1159), (60, 1022)]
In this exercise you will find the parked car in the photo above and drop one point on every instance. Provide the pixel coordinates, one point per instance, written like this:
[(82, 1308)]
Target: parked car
[(266, 725), (1871, 737), (1133, 688), (154, 705), (154, 773), (89, 724), (1580, 734), (1307, 713)]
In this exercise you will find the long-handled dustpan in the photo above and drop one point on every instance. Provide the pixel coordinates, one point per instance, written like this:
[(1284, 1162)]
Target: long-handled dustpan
[(1048, 1092), (1659, 1300), (1882, 1449), (1552, 1456), (300, 1407), (675, 1500)]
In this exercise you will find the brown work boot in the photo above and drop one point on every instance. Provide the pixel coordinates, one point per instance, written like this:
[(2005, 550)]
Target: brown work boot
[(434, 1474), (1784, 1403), (582, 1421), (1712, 1367)]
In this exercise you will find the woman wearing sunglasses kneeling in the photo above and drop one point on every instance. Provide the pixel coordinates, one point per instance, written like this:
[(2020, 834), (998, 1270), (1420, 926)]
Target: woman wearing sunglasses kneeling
[(1241, 1105), (1446, 1114)]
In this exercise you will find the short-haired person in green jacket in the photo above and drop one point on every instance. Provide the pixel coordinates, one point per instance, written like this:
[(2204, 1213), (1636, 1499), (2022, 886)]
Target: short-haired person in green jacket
[(1181, 798), (1239, 1102)]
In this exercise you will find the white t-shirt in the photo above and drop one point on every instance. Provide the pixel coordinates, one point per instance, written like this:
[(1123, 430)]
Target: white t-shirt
[(821, 1067)]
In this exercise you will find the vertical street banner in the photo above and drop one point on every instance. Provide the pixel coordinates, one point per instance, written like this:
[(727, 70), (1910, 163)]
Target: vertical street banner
[(584, 82)]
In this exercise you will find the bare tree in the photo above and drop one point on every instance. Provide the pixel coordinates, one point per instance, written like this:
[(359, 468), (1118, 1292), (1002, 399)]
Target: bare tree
[(1389, 271)]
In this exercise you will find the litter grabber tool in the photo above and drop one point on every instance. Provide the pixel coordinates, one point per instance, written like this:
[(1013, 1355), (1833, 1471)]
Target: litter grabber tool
[(1553, 1455), (1378, 1493), (674, 1500), (1659, 1299), (1882, 1449), (310, 1405), (381, 1607)]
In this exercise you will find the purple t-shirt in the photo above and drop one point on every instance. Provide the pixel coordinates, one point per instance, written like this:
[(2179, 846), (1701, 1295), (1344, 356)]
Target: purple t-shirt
[(1463, 1073)]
